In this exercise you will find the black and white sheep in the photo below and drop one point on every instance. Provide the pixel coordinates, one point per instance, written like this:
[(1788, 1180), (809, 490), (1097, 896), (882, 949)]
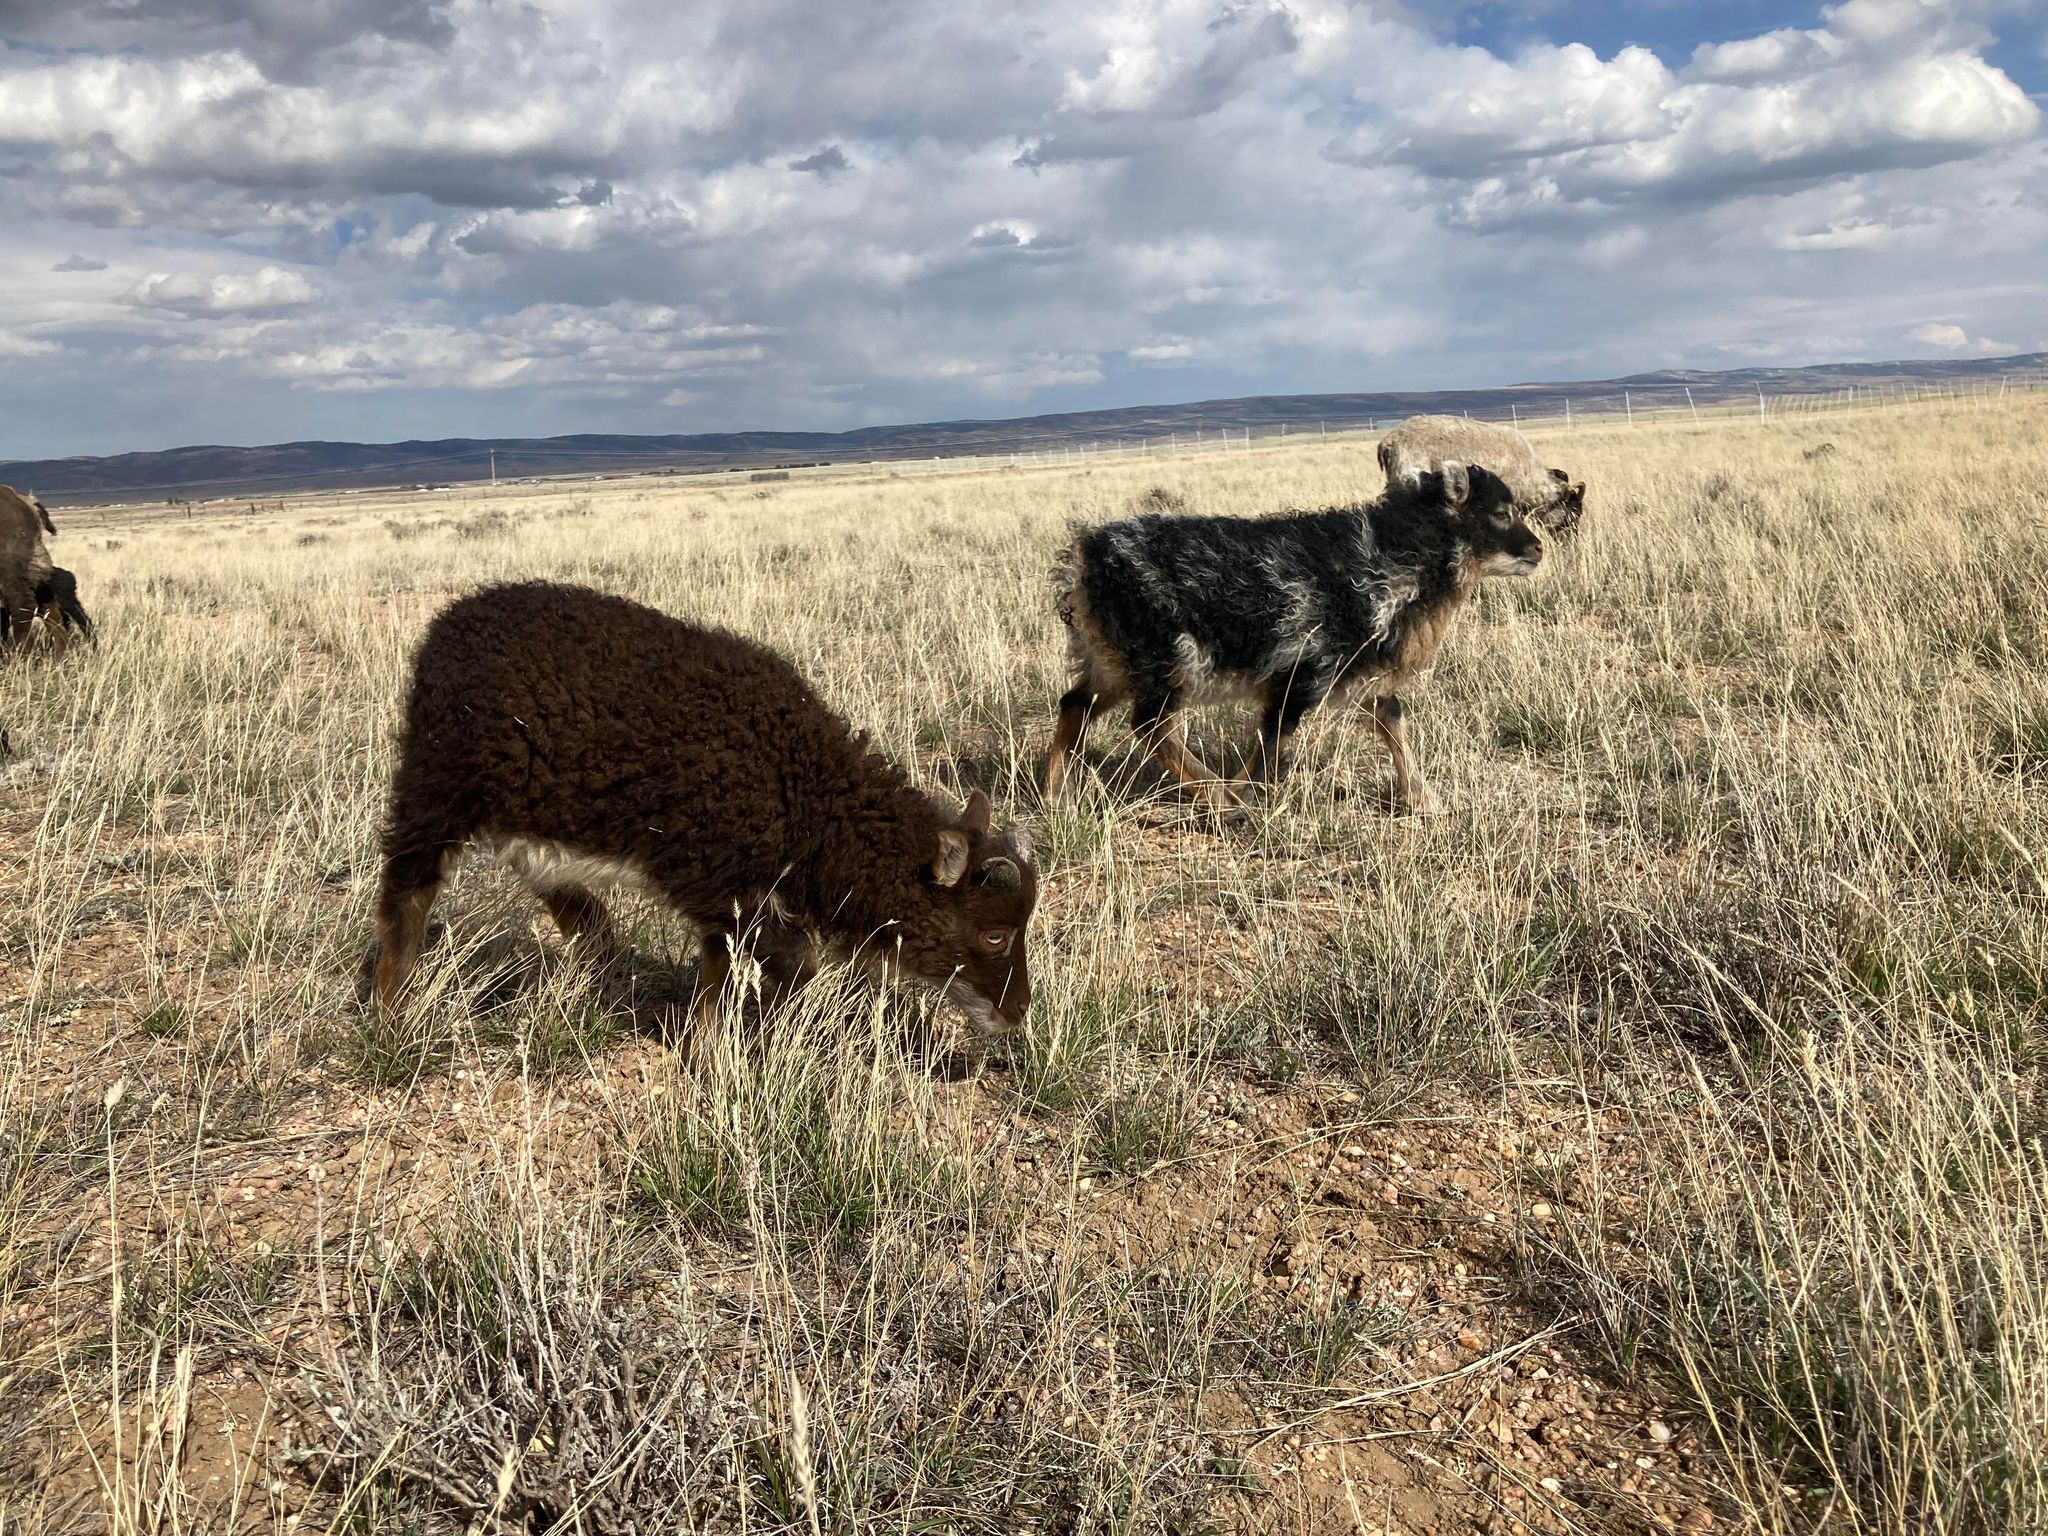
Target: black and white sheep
[(1163, 612)]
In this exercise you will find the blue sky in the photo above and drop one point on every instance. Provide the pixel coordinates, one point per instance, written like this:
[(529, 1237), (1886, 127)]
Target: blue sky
[(255, 220)]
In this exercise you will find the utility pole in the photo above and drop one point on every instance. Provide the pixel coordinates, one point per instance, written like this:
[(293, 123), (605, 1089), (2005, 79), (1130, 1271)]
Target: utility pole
[(494, 467)]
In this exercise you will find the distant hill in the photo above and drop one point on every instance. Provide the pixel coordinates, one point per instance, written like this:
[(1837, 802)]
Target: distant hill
[(202, 472)]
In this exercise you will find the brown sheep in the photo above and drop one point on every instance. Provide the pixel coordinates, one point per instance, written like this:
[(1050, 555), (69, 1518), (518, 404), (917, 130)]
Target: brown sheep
[(24, 559), (1547, 497), (588, 740)]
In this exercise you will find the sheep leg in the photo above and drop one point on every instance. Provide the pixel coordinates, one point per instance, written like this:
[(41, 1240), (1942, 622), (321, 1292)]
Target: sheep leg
[(1411, 789), (15, 619), (714, 974), (787, 957), (1158, 724), (411, 882), (74, 613), (1077, 704), (1284, 711), (584, 920)]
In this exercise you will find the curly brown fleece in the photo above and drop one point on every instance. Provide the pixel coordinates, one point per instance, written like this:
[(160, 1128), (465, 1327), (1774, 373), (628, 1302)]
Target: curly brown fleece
[(580, 731)]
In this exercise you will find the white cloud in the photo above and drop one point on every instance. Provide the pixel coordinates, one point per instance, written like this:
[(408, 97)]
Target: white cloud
[(1851, 235), (14, 344), (1560, 128), (576, 214), (268, 290), (1953, 338)]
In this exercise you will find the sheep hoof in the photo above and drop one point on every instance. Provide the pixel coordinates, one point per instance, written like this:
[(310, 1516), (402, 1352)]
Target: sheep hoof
[(1426, 802), (1232, 814)]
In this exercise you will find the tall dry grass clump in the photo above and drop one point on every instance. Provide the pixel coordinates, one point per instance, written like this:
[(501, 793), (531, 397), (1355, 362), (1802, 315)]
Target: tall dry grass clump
[(1655, 1141)]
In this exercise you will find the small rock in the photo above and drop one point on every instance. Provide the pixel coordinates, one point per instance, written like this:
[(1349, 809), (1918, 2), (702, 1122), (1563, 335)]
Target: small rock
[(1658, 1431), (1541, 1210)]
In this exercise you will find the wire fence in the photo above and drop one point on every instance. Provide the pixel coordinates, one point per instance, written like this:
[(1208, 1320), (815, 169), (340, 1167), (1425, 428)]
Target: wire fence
[(1545, 412), (463, 470)]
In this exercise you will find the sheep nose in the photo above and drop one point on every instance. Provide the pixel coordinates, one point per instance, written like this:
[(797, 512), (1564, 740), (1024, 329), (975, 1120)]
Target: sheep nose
[(1016, 999)]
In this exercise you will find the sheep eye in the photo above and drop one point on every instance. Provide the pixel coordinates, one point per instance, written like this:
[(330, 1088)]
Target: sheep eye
[(995, 940)]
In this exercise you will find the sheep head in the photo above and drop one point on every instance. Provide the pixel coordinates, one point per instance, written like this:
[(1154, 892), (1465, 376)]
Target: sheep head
[(983, 887)]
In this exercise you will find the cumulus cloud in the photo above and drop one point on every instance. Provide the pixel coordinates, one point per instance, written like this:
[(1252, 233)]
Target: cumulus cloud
[(1953, 338), (285, 35), (1560, 127), (14, 344), (268, 290), (456, 216)]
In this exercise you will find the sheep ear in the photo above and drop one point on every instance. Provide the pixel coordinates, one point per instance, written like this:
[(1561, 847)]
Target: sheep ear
[(1560, 477), (949, 864), (1457, 484), (976, 815)]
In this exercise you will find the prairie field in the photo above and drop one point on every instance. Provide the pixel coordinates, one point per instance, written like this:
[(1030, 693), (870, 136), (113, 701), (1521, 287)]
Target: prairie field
[(1654, 1141)]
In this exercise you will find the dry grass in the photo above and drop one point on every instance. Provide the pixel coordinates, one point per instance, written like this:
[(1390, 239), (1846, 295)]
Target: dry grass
[(1656, 1140)]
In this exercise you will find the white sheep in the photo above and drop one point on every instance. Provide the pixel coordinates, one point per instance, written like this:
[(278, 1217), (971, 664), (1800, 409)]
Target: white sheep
[(1423, 444)]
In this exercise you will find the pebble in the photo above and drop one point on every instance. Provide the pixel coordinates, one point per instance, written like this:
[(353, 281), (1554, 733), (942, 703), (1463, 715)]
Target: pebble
[(1541, 1210), (1659, 1431)]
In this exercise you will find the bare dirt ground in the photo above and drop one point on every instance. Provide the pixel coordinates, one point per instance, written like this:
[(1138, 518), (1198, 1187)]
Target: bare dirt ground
[(1653, 1142)]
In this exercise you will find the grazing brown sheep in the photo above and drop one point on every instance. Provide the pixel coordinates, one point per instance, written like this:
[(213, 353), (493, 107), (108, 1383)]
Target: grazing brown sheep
[(1163, 612), (24, 559), (1548, 497), (591, 740)]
